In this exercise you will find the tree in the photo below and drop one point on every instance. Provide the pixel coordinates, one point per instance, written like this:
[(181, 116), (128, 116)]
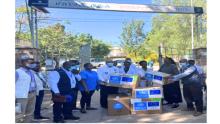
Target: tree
[(174, 31), (100, 49), (132, 38)]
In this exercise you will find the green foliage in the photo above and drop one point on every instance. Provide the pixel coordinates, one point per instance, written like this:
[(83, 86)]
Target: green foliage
[(132, 38)]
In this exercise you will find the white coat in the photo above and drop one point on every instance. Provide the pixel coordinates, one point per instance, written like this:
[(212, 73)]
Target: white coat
[(22, 84), (105, 72)]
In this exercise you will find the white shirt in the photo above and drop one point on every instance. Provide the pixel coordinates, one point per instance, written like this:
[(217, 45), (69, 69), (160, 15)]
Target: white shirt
[(132, 70), (105, 72), (142, 72), (54, 77)]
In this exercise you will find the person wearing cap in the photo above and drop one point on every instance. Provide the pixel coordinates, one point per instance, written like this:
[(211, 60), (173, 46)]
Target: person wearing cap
[(75, 70), (40, 81), (61, 82), (104, 73), (25, 86), (192, 86)]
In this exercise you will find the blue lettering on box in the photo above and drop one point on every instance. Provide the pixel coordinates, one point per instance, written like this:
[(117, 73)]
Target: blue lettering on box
[(149, 77), (155, 92), (140, 106), (115, 79), (156, 77), (117, 106), (153, 104), (142, 94), (127, 79)]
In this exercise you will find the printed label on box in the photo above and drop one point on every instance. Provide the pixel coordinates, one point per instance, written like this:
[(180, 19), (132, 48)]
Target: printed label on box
[(153, 105), (155, 93), (157, 77), (141, 94), (118, 106), (126, 80), (149, 76), (140, 106), (115, 79)]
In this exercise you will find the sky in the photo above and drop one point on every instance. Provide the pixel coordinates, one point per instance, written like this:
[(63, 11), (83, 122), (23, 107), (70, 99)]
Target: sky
[(103, 25)]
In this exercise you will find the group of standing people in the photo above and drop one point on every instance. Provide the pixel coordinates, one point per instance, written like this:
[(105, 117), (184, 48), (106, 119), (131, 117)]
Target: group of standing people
[(65, 82)]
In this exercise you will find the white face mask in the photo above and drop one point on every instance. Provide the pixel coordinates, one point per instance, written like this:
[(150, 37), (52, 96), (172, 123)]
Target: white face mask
[(182, 65), (109, 64)]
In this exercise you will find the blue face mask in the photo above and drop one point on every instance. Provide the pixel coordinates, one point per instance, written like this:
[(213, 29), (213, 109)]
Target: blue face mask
[(76, 67), (183, 65), (109, 64)]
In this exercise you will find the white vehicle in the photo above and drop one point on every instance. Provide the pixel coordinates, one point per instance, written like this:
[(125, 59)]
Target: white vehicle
[(97, 62)]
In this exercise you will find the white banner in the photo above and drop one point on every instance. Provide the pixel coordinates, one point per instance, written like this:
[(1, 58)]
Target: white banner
[(73, 4)]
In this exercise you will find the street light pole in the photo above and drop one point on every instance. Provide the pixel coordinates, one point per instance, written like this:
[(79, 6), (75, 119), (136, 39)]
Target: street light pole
[(192, 27)]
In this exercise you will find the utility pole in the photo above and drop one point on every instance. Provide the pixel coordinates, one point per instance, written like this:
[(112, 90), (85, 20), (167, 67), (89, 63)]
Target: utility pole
[(192, 27), (32, 28), (36, 29)]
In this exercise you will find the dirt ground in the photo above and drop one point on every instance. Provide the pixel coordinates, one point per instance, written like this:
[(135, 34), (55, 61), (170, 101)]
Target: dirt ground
[(169, 115)]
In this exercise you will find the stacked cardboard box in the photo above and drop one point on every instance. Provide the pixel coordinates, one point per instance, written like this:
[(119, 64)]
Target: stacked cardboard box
[(146, 100), (119, 105), (143, 100), (123, 81)]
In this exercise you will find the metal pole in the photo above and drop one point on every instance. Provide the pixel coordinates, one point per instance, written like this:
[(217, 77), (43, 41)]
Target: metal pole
[(32, 28), (192, 27), (36, 29), (197, 30)]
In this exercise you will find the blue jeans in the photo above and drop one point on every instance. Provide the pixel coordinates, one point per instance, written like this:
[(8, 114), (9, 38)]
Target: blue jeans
[(38, 103)]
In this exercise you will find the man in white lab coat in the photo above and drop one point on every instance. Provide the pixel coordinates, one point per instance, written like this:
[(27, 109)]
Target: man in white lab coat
[(128, 67), (104, 74), (25, 86)]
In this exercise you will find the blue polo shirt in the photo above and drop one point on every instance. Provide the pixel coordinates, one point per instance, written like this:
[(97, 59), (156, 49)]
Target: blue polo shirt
[(91, 79)]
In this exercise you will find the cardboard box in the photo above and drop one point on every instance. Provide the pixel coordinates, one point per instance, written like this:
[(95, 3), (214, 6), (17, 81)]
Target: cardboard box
[(119, 105), (146, 106), (157, 77), (123, 81), (148, 92)]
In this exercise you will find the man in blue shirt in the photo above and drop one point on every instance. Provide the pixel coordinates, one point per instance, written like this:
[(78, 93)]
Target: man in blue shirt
[(87, 89)]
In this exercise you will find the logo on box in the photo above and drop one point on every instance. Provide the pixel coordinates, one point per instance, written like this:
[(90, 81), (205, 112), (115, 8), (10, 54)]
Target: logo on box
[(117, 106), (140, 106), (142, 94), (153, 105), (115, 79)]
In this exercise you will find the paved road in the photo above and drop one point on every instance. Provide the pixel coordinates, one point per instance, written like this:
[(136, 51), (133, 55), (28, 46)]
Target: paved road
[(100, 115)]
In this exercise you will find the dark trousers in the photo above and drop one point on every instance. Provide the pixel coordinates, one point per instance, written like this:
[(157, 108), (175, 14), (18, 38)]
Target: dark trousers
[(75, 94), (172, 92), (38, 103), (61, 110), (104, 92), (86, 98), (193, 93)]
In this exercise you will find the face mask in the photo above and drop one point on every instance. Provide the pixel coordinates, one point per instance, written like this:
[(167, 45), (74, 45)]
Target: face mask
[(76, 67), (31, 66), (109, 64), (182, 65)]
